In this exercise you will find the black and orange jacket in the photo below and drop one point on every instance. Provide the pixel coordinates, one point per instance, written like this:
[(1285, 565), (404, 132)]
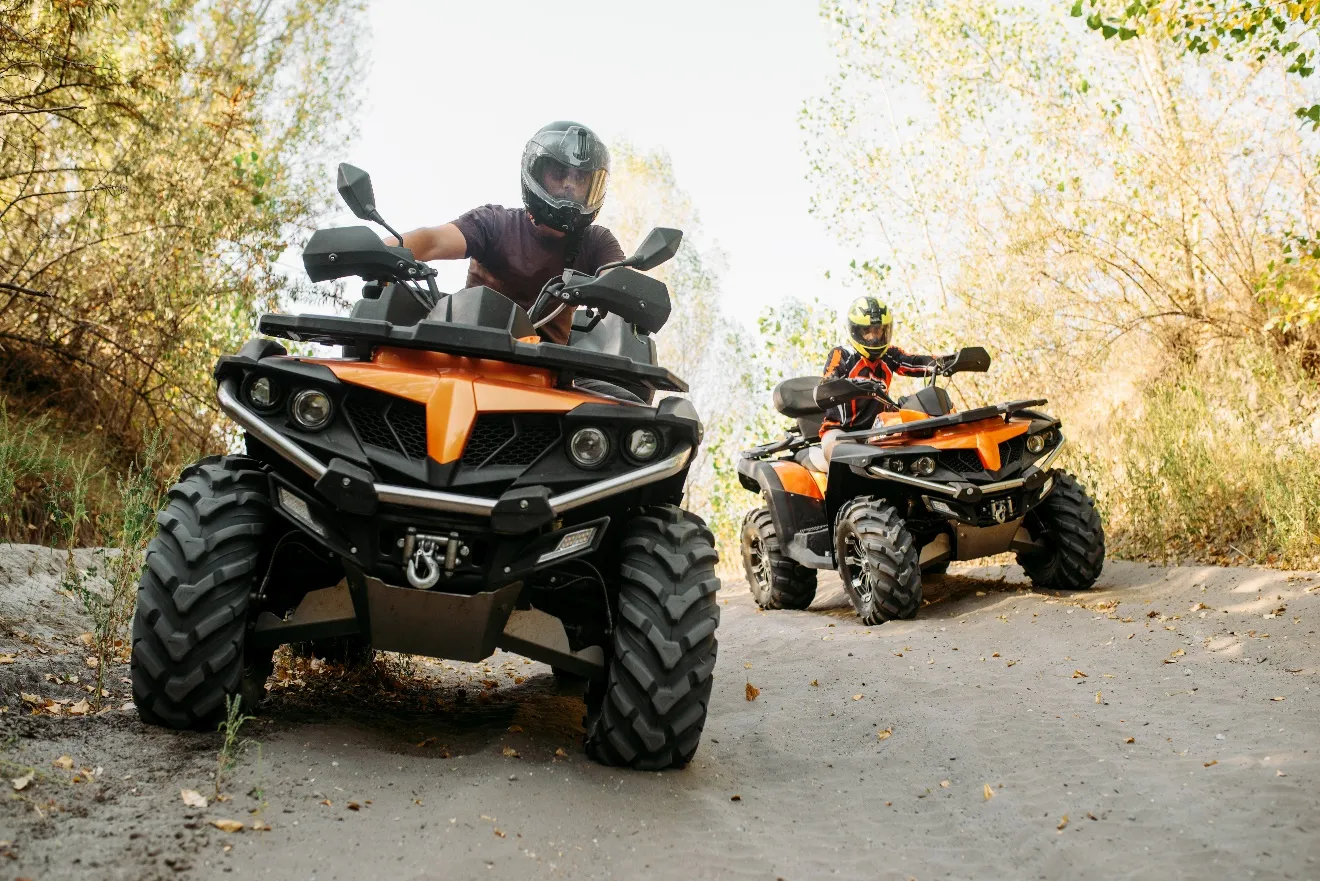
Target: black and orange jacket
[(846, 363)]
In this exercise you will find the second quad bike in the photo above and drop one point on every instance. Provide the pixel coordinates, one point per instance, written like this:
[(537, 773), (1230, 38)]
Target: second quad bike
[(926, 485), (449, 485)]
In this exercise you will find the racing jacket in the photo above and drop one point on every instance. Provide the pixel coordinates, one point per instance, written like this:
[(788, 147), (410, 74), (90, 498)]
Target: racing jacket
[(846, 363)]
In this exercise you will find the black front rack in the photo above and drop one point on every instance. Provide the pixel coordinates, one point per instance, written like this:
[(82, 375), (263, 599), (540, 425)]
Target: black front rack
[(466, 340)]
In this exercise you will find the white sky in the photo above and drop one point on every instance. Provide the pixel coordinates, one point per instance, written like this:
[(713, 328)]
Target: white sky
[(456, 88)]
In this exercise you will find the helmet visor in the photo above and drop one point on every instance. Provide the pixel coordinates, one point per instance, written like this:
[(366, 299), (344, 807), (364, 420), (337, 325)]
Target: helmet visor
[(873, 336), (562, 184)]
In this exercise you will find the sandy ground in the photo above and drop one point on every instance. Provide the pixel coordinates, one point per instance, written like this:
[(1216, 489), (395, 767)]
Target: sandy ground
[(1164, 725)]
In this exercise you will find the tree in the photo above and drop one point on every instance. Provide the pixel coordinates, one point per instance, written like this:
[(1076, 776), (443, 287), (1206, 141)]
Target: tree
[(157, 162)]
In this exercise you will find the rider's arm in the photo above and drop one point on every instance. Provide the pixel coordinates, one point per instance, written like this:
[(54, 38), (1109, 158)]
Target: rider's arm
[(910, 365), (836, 363), (434, 243)]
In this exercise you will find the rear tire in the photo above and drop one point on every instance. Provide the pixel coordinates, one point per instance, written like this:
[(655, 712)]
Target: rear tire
[(777, 582), (190, 624), (877, 561), (649, 712), (1069, 525)]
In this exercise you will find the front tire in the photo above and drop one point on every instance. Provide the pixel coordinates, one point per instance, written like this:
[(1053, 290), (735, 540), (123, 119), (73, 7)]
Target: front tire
[(877, 561), (777, 582), (190, 624), (649, 712), (1069, 526)]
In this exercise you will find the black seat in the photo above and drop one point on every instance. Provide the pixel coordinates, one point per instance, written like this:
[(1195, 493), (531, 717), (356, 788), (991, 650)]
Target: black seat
[(796, 397)]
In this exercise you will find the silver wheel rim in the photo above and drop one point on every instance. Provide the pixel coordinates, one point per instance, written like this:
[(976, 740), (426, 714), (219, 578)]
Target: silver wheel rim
[(760, 562), (858, 568)]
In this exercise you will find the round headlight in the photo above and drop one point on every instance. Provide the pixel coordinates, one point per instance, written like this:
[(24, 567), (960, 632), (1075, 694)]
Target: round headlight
[(263, 393), (589, 447), (1035, 443), (643, 444), (312, 409), (924, 465)]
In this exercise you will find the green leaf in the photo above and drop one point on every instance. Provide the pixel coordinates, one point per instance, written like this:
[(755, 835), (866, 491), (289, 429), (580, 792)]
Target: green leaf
[(1076, 11)]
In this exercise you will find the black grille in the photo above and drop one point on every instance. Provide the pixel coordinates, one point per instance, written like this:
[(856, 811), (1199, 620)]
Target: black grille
[(1011, 451), (962, 461), (500, 439), (389, 423)]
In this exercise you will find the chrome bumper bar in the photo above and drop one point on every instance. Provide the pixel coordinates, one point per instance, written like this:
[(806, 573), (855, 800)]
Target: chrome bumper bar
[(984, 488), (433, 500)]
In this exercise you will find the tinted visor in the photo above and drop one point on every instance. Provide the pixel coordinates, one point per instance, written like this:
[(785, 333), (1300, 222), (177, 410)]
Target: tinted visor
[(562, 183), (873, 336)]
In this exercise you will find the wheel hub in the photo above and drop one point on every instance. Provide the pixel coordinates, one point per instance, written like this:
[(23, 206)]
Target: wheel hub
[(858, 567)]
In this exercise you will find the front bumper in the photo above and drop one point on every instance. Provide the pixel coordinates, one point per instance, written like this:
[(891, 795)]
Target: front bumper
[(517, 511)]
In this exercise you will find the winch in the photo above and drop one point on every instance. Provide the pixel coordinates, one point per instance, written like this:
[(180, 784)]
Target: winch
[(427, 556)]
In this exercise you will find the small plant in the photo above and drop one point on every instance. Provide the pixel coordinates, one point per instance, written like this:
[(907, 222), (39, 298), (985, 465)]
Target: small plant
[(230, 728)]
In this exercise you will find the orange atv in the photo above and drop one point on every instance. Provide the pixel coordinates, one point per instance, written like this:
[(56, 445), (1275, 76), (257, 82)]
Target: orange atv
[(924, 486), (449, 485)]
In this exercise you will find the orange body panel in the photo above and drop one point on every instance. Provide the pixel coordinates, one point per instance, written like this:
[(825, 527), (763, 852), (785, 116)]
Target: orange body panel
[(797, 479), (455, 389), (984, 436)]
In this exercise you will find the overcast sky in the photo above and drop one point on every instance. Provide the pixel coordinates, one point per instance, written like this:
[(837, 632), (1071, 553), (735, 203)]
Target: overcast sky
[(456, 88)]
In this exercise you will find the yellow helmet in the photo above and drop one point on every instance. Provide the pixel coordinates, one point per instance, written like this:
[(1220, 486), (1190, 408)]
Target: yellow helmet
[(870, 327)]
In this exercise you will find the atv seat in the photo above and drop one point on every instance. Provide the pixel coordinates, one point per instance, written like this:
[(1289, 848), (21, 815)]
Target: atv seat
[(796, 397), (812, 458)]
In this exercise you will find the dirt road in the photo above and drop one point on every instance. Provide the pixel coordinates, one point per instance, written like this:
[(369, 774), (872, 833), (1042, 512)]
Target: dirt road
[(1164, 725)]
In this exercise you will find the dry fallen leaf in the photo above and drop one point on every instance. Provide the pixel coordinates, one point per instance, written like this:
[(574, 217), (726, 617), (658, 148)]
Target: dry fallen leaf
[(258, 826), (995, 655), (515, 729), (192, 798), (354, 806), (1078, 674), (499, 833), (81, 708), (1280, 774), (510, 753), (1277, 698), (8, 659), (559, 753), (752, 692), (66, 762), (1211, 762), (747, 666), (944, 784), (884, 734), (327, 803), (989, 793), (21, 783), (1177, 653), (735, 798), (1130, 740), (227, 825), (1063, 823), (815, 684), (857, 697)]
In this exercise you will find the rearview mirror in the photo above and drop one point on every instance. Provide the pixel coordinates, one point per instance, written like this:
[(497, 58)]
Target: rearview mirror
[(355, 189), (659, 245), (974, 359)]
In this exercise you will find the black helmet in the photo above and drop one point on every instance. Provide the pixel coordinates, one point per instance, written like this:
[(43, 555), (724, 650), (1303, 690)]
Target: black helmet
[(564, 170), (870, 327)]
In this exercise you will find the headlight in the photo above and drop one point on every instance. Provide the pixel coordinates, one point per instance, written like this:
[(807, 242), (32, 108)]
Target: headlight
[(643, 444), (895, 464), (589, 447), (924, 465), (312, 409), (1036, 443), (263, 393)]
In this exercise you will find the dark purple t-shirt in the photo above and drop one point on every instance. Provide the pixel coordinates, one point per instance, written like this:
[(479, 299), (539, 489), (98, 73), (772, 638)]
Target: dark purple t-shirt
[(511, 255)]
